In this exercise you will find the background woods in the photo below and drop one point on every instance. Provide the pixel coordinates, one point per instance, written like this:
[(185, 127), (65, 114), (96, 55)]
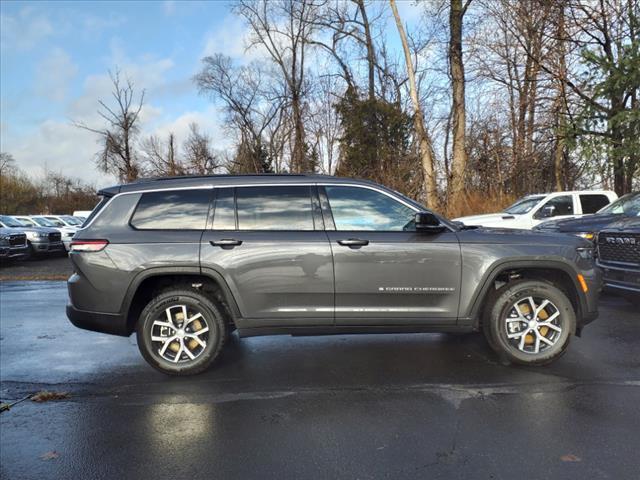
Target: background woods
[(479, 102)]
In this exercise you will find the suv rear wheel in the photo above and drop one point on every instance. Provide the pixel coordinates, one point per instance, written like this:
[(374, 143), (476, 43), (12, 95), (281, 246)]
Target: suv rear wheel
[(181, 332), (529, 322)]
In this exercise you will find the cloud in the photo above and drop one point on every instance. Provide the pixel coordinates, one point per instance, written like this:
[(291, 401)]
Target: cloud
[(24, 30), (53, 75), (230, 39)]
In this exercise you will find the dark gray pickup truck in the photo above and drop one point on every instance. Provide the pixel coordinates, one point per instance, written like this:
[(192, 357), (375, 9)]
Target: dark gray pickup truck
[(184, 261)]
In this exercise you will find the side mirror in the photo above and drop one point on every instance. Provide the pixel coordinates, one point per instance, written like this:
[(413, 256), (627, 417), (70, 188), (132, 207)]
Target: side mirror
[(428, 222), (547, 212)]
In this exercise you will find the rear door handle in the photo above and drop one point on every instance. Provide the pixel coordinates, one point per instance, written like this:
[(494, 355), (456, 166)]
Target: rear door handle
[(226, 243), (353, 242)]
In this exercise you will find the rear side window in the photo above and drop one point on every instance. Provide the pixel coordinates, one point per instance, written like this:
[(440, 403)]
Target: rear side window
[(591, 203), (274, 208), (172, 210)]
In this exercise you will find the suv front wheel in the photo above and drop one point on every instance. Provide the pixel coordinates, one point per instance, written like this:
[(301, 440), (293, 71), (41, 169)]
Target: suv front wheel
[(529, 322), (180, 332)]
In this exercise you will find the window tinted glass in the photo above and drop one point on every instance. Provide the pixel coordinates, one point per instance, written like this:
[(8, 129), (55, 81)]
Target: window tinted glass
[(224, 216), (356, 208), (177, 210), (562, 205), (274, 208), (591, 203)]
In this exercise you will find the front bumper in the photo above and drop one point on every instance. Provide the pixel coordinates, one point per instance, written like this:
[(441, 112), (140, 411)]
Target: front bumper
[(112, 323), (47, 247), (14, 253), (624, 280)]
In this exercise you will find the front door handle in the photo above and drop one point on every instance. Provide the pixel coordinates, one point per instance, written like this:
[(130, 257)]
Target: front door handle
[(353, 242), (226, 243)]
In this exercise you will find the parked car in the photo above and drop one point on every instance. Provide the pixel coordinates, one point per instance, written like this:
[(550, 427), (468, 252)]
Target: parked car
[(82, 214), (589, 225), (41, 240), (65, 232), (531, 210), (184, 261), (13, 245), (619, 257)]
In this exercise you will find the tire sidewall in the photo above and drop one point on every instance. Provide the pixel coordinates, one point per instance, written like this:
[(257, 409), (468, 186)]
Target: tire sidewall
[(156, 307), (503, 303)]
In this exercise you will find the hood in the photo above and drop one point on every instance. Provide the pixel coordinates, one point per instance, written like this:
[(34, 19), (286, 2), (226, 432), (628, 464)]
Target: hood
[(587, 223), (626, 224), (33, 229), (520, 237), (497, 218)]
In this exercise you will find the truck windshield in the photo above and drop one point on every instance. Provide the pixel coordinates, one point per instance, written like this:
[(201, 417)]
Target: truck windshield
[(10, 222), (628, 204), (524, 205), (43, 222)]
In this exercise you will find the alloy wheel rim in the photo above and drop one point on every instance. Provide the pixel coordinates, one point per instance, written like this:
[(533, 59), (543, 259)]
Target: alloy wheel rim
[(180, 334), (533, 325)]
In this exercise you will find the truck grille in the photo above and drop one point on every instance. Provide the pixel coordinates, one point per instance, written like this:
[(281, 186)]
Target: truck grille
[(619, 248), (18, 240), (55, 237)]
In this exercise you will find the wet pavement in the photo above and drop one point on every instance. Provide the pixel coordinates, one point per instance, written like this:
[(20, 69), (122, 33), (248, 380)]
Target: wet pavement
[(370, 406)]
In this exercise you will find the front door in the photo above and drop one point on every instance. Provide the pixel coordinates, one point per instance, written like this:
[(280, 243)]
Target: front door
[(385, 271), (269, 244)]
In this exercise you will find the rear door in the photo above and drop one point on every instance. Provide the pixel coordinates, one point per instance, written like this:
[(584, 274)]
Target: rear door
[(386, 273), (269, 244)]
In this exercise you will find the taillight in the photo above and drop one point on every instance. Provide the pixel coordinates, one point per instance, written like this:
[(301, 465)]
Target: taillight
[(88, 245)]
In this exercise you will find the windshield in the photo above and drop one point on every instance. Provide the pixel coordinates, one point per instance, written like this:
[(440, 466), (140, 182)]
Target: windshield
[(71, 220), (43, 222), (628, 204), (27, 221), (10, 222), (56, 222), (524, 205)]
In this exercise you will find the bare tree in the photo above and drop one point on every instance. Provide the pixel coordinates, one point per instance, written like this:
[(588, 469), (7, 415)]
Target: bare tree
[(162, 157), (117, 154), (458, 108), (200, 158), (284, 29), (424, 140), (7, 163)]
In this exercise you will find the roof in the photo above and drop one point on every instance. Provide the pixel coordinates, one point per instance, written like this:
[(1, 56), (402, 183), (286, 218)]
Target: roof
[(191, 181)]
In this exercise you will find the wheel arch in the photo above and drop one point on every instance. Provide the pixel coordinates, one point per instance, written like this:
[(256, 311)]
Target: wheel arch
[(558, 273), (145, 284)]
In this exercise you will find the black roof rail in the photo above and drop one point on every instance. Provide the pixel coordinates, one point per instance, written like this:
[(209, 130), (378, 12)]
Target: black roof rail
[(221, 175)]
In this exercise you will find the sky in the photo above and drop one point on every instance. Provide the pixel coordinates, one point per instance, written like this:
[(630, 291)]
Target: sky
[(55, 59)]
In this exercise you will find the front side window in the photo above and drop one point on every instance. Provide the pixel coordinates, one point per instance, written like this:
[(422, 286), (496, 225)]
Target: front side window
[(172, 210), (355, 208), (557, 206), (592, 202), (274, 208)]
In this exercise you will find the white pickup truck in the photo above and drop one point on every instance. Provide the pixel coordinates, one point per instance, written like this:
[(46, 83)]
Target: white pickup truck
[(531, 210)]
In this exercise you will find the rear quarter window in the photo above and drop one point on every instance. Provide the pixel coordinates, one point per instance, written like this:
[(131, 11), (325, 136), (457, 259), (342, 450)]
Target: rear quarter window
[(172, 210)]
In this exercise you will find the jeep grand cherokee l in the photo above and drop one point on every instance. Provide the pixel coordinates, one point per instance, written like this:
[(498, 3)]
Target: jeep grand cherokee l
[(184, 261)]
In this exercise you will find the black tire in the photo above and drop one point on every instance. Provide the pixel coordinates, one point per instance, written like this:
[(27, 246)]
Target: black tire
[(499, 307), (196, 302)]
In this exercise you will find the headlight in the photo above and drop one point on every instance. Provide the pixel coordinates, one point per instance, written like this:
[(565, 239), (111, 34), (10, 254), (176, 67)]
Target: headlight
[(4, 241), (586, 252), (586, 235)]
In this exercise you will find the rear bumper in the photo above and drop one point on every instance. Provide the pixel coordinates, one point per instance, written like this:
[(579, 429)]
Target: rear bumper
[(112, 323)]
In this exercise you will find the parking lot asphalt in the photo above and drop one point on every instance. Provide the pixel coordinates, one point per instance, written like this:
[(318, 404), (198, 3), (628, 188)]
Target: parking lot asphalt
[(369, 406)]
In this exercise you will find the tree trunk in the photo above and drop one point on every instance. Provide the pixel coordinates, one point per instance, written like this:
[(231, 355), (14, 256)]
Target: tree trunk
[(561, 105), (424, 142), (370, 49), (459, 154)]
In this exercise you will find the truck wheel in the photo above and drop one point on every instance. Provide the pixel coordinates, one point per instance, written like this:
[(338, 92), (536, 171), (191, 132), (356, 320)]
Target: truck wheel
[(181, 332), (529, 322)]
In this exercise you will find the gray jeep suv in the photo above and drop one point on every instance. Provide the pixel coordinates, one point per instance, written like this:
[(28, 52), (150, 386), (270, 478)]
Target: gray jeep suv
[(184, 261)]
